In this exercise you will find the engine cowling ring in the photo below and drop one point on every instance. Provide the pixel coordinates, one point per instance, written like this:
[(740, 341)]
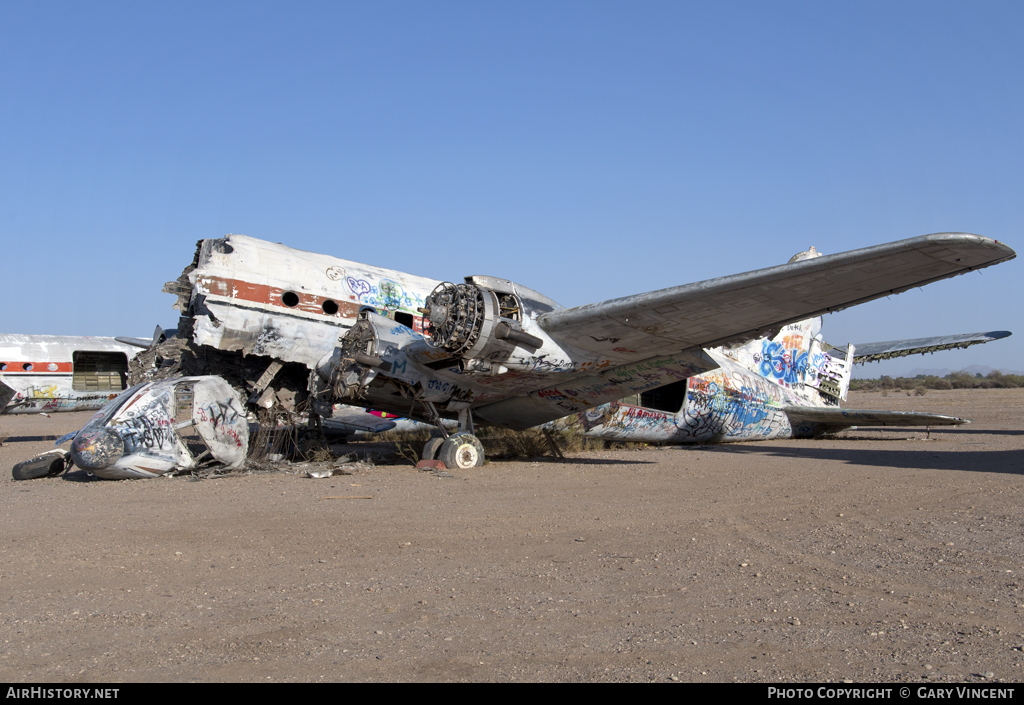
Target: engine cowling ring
[(460, 318)]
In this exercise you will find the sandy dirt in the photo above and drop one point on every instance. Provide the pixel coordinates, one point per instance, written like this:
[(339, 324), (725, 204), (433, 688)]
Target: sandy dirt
[(878, 556)]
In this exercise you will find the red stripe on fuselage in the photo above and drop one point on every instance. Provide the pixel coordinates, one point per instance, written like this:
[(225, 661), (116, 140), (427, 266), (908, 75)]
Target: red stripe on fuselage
[(38, 368), (273, 296)]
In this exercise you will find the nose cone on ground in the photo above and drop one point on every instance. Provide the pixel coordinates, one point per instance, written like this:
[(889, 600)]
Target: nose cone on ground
[(95, 450)]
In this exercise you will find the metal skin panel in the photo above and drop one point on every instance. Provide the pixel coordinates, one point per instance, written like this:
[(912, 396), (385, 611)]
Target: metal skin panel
[(870, 352), (745, 306)]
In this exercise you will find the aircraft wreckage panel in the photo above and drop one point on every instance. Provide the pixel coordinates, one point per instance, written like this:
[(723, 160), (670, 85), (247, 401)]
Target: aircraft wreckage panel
[(138, 434), (220, 420), (270, 334)]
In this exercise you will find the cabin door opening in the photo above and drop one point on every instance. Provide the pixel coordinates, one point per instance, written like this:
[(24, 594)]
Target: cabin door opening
[(669, 398), (99, 371)]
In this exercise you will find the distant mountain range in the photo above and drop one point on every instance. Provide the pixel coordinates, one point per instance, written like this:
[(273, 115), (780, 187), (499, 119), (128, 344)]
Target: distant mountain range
[(972, 370)]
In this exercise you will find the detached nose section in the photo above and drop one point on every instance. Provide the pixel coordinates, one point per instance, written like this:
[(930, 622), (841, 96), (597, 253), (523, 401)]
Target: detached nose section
[(96, 450)]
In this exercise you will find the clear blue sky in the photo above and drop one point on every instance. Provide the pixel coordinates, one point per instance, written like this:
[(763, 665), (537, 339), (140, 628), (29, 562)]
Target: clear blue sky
[(586, 149)]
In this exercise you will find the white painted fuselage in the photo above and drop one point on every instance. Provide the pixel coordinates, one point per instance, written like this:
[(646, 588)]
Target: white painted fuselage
[(49, 373)]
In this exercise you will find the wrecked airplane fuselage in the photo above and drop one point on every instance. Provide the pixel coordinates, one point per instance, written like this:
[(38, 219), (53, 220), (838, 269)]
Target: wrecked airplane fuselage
[(167, 426)]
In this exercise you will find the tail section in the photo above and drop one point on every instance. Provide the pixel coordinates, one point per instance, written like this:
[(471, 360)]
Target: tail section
[(797, 357)]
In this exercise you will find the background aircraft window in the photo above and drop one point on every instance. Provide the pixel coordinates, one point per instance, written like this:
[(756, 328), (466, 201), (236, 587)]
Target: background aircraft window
[(404, 318), (99, 371)]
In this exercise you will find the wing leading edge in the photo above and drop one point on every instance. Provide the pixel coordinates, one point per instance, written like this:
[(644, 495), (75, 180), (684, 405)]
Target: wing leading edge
[(743, 306)]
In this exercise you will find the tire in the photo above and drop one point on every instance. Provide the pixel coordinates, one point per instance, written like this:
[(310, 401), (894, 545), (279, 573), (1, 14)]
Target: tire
[(461, 452), (481, 456), (46, 465), (431, 447)]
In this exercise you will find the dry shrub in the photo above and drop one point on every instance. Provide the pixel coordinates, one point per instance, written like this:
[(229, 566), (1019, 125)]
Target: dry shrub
[(506, 443), (320, 454), (270, 439), (531, 443)]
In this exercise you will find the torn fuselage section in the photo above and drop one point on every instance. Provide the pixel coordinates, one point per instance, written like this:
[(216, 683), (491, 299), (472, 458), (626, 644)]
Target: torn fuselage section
[(249, 306), (164, 427)]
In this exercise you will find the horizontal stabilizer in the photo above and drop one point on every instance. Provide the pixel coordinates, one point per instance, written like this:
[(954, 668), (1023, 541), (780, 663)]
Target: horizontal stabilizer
[(352, 418), (744, 306), (809, 421), (872, 352)]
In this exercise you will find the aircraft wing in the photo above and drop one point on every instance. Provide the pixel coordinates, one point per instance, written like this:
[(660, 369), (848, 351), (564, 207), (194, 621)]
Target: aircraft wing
[(744, 306), (810, 421), (871, 352)]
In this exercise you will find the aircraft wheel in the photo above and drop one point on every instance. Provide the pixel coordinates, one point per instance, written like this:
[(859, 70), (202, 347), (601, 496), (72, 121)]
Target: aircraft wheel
[(431, 447), (462, 451), (46, 465)]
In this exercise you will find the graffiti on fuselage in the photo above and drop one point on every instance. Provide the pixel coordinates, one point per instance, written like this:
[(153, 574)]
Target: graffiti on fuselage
[(385, 295), (729, 403), (48, 394), (787, 365)]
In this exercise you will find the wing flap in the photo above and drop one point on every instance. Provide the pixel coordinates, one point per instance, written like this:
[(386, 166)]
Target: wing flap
[(743, 306)]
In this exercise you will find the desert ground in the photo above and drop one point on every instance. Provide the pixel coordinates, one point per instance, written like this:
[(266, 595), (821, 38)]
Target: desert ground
[(882, 555)]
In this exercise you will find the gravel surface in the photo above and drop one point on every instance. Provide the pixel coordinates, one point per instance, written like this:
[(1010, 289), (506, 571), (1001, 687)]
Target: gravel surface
[(882, 555)]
